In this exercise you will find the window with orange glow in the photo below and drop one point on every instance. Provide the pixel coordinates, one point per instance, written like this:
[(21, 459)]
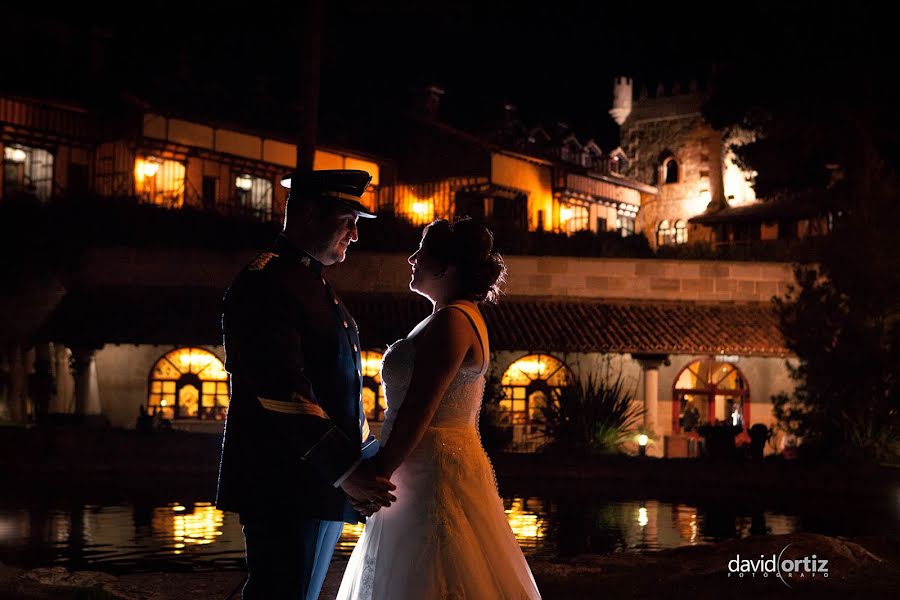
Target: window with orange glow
[(707, 391), (159, 181), (528, 385), (681, 234), (188, 383), (573, 218), (664, 233), (528, 382), (373, 393)]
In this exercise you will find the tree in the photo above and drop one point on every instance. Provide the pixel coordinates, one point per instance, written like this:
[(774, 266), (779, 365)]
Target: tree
[(826, 133)]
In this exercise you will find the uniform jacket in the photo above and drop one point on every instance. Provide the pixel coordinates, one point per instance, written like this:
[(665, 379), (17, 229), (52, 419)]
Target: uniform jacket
[(295, 417)]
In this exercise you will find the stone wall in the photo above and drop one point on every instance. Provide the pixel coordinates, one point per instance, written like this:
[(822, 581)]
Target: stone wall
[(598, 278), (550, 276)]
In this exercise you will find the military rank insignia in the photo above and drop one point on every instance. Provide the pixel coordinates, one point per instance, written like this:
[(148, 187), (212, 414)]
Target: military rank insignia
[(261, 261)]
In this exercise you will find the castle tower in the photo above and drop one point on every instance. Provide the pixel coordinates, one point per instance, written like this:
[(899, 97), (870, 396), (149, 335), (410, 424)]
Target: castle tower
[(622, 98)]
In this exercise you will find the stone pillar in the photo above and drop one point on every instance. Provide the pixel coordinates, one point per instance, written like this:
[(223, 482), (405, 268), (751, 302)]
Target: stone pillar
[(64, 399), (41, 384), (18, 385), (5, 385), (650, 364), (87, 390), (651, 395)]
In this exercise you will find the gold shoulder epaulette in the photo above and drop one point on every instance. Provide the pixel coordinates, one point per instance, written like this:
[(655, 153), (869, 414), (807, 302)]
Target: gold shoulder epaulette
[(261, 261)]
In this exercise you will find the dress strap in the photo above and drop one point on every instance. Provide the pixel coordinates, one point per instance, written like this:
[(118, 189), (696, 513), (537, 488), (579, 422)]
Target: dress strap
[(477, 321)]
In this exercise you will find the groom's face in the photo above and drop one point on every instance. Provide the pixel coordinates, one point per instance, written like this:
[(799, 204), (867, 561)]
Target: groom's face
[(336, 230)]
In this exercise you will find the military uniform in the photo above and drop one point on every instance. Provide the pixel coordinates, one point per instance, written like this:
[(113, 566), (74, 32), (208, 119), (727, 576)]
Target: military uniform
[(295, 424)]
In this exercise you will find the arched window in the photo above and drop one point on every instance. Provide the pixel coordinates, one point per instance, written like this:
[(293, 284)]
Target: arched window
[(528, 385), (373, 394), (188, 383), (670, 170), (681, 234), (663, 233), (707, 391)]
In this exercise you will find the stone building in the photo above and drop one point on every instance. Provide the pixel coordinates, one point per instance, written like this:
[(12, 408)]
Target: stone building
[(669, 145), (128, 326)]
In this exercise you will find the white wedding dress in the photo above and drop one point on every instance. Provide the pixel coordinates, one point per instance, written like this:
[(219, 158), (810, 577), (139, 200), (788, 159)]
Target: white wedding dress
[(446, 536)]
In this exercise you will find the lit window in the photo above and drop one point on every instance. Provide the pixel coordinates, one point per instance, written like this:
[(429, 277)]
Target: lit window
[(188, 383), (254, 196), (373, 394), (707, 391), (663, 234), (159, 181), (618, 163), (28, 170), (573, 218), (625, 224), (529, 384), (681, 234), (421, 204)]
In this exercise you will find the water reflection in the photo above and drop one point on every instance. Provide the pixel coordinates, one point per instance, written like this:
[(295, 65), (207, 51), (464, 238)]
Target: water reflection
[(528, 521), (193, 535), (198, 526), (349, 537)]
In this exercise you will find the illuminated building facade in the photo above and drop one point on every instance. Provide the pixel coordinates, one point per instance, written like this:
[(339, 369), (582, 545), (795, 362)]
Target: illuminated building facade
[(52, 150), (138, 326), (516, 179), (701, 194)]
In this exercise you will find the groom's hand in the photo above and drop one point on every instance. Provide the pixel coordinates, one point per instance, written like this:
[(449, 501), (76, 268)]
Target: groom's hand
[(364, 508), (364, 485)]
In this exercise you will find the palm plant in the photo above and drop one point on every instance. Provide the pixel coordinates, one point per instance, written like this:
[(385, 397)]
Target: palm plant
[(593, 416)]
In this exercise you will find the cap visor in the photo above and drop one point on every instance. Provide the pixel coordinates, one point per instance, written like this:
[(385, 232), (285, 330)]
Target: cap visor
[(359, 209)]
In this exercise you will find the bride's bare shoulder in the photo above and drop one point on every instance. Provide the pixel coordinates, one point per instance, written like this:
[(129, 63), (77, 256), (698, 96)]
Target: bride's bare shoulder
[(442, 327)]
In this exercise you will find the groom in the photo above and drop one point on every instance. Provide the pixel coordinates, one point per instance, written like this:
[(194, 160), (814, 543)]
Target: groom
[(295, 457)]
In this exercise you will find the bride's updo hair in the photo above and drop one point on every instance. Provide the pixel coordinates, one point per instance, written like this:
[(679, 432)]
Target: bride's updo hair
[(468, 246)]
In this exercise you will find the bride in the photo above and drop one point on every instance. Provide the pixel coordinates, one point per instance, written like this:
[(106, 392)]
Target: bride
[(447, 535)]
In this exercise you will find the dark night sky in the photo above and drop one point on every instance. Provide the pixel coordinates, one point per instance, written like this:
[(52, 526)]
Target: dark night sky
[(554, 60)]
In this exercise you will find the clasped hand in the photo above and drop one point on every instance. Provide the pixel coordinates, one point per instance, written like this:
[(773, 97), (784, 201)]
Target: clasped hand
[(368, 491)]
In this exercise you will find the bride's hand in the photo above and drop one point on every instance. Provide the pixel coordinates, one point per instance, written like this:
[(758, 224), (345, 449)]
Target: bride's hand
[(365, 485)]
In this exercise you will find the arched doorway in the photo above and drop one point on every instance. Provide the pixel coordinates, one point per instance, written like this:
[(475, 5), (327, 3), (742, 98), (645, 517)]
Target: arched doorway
[(529, 384), (188, 383), (709, 391)]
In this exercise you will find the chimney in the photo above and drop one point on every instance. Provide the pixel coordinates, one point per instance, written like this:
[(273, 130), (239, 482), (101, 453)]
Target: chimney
[(623, 90)]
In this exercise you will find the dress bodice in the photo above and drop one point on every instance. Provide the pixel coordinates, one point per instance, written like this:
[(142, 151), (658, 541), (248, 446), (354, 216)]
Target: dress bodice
[(462, 400), (458, 408)]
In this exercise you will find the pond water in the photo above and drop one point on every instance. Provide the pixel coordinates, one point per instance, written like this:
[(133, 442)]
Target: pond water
[(189, 533)]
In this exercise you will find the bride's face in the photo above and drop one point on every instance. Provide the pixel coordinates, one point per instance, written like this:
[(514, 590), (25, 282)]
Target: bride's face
[(426, 273)]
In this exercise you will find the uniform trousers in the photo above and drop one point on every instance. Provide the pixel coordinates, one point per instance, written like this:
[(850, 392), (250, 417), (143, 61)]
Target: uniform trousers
[(288, 558)]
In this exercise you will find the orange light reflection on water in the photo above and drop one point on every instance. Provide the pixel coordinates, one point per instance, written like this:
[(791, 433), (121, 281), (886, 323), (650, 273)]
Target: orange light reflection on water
[(526, 522), (187, 528)]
